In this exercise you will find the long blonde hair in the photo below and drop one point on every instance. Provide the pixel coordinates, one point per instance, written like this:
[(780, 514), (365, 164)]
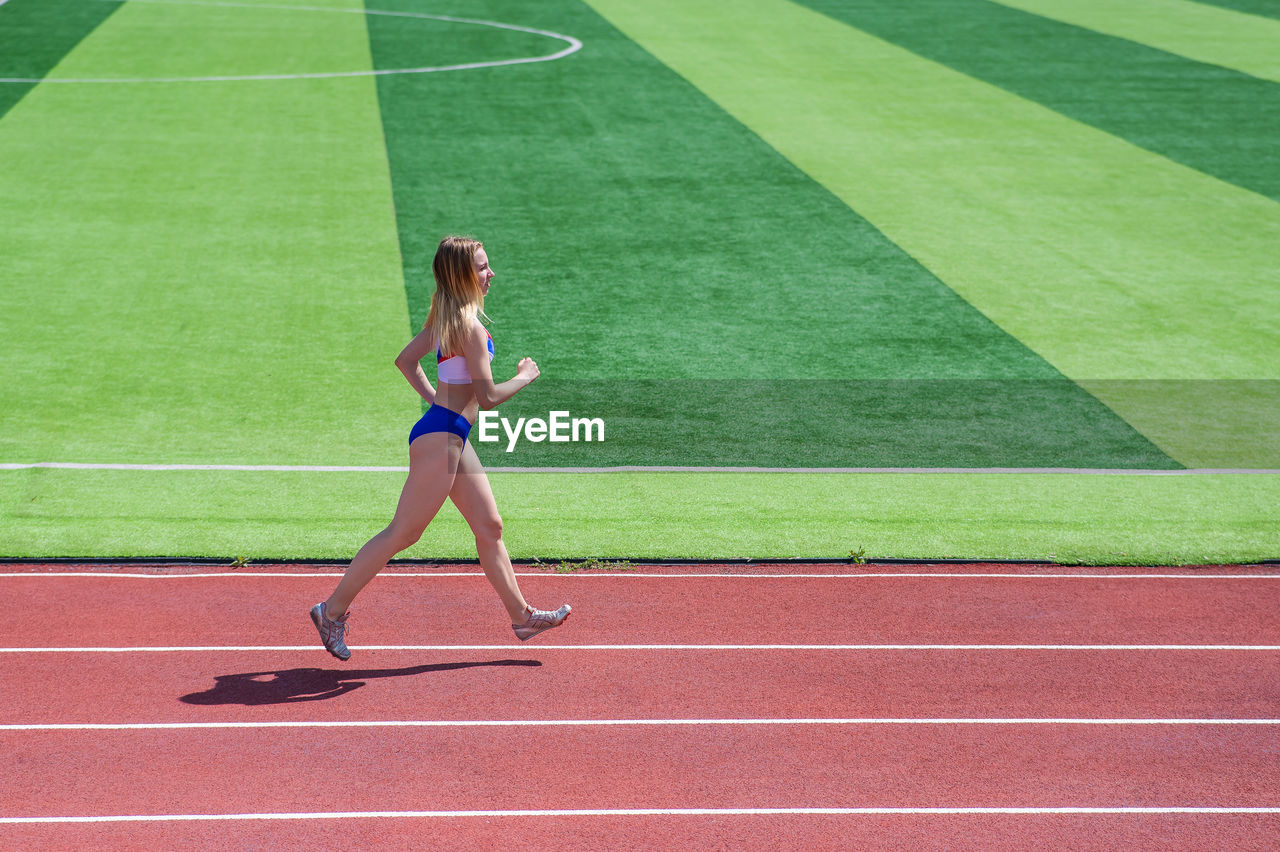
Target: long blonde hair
[(458, 299)]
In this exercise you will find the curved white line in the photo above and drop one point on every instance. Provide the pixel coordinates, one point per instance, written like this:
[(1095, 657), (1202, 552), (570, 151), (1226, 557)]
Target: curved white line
[(574, 47)]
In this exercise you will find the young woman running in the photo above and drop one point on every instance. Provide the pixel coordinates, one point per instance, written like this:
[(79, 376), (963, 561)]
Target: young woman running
[(441, 462)]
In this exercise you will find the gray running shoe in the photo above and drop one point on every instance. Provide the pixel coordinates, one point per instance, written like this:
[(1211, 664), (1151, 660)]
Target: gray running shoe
[(540, 620), (332, 631)]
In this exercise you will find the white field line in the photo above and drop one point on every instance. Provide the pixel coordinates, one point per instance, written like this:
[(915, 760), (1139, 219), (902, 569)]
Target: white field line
[(557, 723), (302, 468), (934, 811), (266, 468), (183, 649), (574, 46), (632, 574)]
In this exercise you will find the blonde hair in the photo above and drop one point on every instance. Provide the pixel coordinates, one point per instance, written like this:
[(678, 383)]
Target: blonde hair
[(458, 299)]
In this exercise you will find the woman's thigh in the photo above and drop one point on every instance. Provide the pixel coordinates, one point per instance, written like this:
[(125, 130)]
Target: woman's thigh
[(433, 462), (473, 496)]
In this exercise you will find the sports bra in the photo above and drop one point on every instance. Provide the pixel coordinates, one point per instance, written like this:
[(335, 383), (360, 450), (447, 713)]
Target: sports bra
[(452, 369)]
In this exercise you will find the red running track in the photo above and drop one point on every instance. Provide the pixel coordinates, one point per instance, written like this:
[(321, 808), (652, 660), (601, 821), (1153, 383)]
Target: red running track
[(808, 832), (251, 609), (637, 684), (771, 766), (188, 771)]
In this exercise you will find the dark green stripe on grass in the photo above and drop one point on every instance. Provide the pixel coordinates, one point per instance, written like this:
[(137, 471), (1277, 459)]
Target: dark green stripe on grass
[(677, 277), (36, 34), (1222, 122)]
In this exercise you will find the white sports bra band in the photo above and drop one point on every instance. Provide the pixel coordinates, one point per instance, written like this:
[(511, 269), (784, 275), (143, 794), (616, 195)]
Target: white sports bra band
[(453, 370)]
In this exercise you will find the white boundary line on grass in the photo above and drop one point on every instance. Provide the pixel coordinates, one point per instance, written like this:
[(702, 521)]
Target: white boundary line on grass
[(574, 47), (304, 468), (636, 575), (606, 723), (183, 649), (867, 811)]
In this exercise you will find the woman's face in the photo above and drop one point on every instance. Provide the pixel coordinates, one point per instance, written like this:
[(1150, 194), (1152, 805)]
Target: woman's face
[(483, 273)]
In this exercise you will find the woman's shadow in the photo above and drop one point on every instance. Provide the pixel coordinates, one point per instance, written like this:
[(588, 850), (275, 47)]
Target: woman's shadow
[(290, 685)]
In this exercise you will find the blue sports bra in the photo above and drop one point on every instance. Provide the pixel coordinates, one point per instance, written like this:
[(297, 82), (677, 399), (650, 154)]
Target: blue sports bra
[(452, 369)]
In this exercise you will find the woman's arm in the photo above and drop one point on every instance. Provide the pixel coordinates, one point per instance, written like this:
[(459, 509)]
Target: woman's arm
[(489, 395), (409, 363)]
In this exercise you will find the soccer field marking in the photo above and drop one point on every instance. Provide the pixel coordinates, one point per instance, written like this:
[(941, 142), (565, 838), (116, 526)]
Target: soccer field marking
[(303, 468), (582, 812), (633, 575), (574, 45), (606, 723), (184, 649)]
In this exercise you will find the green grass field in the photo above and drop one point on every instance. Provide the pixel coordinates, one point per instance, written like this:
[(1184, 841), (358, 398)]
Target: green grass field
[(836, 234)]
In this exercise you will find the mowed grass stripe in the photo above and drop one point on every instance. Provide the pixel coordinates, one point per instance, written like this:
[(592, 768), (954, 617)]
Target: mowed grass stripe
[(1217, 120), (36, 34), (202, 270), (1203, 33), (1110, 261), (1070, 518), (678, 278), (1267, 8)]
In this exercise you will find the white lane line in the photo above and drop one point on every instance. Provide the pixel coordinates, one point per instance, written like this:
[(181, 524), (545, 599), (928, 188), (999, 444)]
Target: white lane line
[(633, 574), (583, 812), (554, 723), (182, 649), (574, 46), (276, 468), (286, 468)]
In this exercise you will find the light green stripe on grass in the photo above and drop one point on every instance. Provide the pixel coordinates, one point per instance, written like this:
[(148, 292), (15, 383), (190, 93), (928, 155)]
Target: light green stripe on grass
[(1109, 261), (202, 271), (1064, 517), (1247, 43)]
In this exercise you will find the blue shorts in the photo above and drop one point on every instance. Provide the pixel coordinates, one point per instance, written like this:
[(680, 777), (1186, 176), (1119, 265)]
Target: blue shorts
[(441, 419)]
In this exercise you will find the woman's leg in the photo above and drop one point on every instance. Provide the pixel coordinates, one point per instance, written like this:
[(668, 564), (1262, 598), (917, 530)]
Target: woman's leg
[(433, 461), (474, 498)]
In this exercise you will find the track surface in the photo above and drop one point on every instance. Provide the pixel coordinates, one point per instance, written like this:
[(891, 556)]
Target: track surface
[(159, 693)]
